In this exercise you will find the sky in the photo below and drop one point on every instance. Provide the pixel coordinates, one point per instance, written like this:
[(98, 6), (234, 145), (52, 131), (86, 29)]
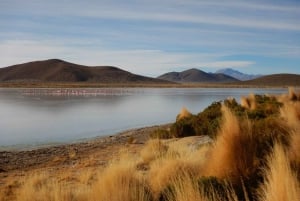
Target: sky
[(152, 37)]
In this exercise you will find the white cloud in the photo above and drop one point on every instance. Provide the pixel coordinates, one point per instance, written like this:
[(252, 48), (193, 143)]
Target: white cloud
[(18, 51), (226, 13), (227, 64), (244, 5), (245, 21), (149, 37)]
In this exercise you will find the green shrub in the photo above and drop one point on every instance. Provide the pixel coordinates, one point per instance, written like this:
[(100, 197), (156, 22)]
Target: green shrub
[(208, 121), (265, 107), (204, 123), (183, 127)]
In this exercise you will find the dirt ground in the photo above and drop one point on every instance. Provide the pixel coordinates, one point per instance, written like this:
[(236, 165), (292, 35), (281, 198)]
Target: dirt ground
[(67, 158)]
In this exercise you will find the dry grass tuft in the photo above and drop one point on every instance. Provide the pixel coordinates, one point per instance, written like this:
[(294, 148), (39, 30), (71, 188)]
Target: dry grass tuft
[(291, 114), (292, 94), (249, 102), (179, 159), (252, 101), (154, 149), (188, 188), (184, 188), (41, 187), (233, 153), (163, 172), (294, 152), (184, 113), (120, 182), (245, 102), (280, 183)]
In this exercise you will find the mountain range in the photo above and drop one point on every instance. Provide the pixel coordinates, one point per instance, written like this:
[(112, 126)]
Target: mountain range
[(195, 75), (277, 80), (59, 71), (237, 74), (55, 70)]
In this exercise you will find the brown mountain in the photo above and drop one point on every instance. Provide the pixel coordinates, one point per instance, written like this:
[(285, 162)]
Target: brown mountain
[(275, 80), (195, 75), (55, 70)]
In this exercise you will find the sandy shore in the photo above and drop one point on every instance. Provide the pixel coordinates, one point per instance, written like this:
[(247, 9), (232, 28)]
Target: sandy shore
[(68, 162), (67, 159), (101, 149)]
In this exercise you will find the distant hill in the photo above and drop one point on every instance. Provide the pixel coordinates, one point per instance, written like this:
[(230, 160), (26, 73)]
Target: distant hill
[(55, 70), (275, 80), (196, 76), (237, 74)]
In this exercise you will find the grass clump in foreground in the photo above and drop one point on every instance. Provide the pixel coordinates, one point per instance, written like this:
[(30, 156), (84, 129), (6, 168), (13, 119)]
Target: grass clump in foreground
[(254, 156)]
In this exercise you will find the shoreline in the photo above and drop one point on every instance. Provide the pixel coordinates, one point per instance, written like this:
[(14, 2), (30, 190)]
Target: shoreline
[(120, 134), (48, 155), (136, 85)]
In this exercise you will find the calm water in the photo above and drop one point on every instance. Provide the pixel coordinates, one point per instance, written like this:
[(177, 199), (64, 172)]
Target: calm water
[(46, 116)]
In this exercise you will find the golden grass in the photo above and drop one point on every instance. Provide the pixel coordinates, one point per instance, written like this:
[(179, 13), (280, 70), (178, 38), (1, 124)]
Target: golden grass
[(120, 182), (185, 188), (154, 149), (294, 148), (232, 155), (292, 94), (162, 173), (249, 102), (184, 113), (291, 114), (175, 159), (177, 170), (280, 181), (42, 187)]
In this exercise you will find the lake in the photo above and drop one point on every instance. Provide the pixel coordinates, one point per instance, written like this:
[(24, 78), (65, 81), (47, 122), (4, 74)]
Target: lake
[(39, 116)]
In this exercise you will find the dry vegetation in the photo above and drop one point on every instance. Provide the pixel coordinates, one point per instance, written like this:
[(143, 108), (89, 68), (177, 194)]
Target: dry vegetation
[(254, 155)]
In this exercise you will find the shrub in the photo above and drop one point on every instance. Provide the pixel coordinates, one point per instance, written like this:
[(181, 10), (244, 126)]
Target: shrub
[(204, 123), (268, 106), (207, 122), (183, 127)]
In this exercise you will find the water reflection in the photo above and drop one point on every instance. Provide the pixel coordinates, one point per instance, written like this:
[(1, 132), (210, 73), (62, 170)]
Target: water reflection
[(28, 117)]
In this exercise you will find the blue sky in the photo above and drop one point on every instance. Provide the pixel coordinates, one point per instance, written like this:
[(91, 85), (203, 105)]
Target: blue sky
[(152, 37)]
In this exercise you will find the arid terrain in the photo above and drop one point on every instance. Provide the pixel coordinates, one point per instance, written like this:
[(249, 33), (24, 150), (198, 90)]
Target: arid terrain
[(72, 158), (229, 151)]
